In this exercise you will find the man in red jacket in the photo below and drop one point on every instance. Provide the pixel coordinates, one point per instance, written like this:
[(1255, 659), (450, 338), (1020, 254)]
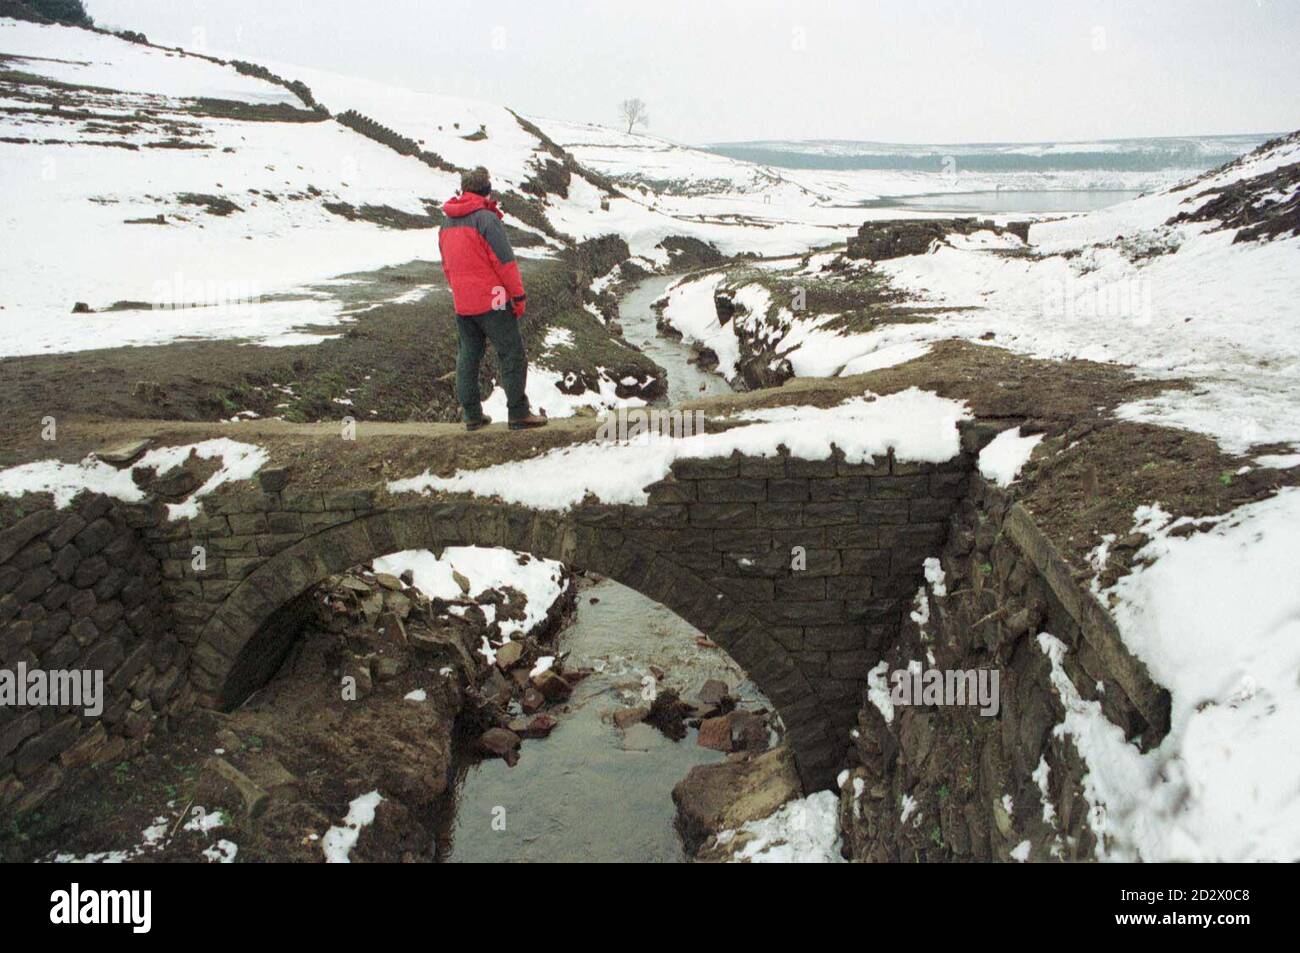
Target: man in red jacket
[(489, 298)]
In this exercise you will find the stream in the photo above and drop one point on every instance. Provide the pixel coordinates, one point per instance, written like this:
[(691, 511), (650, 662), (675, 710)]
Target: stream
[(685, 380), (591, 792)]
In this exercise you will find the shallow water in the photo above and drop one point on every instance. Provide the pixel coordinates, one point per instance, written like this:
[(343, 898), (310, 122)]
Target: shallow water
[(685, 380), (1009, 202), (589, 793)]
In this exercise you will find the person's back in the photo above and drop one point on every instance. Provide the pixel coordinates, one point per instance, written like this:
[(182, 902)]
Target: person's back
[(488, 295)]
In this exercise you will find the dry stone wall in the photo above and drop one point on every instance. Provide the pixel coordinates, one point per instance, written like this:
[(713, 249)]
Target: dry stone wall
[(80, 591), (943, 782)]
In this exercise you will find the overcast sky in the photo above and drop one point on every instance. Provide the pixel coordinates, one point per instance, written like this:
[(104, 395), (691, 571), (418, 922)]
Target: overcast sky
[(715, 70)]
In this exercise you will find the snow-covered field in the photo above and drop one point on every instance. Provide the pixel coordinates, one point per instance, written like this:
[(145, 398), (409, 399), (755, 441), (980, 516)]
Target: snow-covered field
[(1223, 314)]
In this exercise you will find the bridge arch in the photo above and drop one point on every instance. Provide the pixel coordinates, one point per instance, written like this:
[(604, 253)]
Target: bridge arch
[(237, 654)]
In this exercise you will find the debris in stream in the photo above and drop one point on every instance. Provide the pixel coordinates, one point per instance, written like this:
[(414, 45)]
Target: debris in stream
[(668, 713)]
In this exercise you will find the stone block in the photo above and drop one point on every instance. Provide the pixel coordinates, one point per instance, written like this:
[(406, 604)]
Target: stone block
[(830, 514), (722, 515), (899, 487), (706, 468), (733, 491), (839, 488), (788, 490)]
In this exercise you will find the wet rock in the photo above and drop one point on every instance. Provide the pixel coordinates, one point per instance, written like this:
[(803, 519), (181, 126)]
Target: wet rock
[(715, 733), (509, 654), (496, 687), (630, 716), (712, 692), (388, 581), (726, 795), (748, 731), (501, 742), (532, 701), (553, 686), (539, 726), (461, 581)]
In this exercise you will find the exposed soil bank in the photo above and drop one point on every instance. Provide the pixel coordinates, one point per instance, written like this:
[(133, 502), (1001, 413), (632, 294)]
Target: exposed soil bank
[(393, 359), (368, 698)]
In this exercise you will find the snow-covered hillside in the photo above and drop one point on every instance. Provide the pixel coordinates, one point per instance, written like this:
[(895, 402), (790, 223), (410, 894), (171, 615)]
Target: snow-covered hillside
[(732, 185), (135, 175), (784, 219), (101, 137)]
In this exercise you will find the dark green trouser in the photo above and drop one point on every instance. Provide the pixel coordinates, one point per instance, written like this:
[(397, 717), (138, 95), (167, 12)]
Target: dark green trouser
[(502, 329)]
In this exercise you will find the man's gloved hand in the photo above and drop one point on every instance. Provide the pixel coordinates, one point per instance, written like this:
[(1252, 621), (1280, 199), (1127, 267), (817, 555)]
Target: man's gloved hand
[(519, 305)]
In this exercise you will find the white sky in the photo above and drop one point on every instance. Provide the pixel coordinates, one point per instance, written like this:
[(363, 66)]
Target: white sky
[(716, 70)]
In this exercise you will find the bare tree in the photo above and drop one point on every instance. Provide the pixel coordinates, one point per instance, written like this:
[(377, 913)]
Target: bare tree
[(634, 113)]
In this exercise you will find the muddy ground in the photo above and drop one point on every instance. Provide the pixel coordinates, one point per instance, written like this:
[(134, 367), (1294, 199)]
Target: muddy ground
[(392, 362)]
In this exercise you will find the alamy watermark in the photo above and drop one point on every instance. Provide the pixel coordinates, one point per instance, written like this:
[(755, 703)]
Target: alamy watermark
[(947, 687), (56, 688), (1128, 299), (185, 292), (627, 424), (133, 908)]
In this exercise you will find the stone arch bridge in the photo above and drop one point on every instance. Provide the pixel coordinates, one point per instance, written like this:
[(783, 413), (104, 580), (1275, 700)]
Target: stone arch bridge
[(714, 543)]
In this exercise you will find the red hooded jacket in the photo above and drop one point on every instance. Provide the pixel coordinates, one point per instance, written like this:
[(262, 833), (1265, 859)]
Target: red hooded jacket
[(477, 258)]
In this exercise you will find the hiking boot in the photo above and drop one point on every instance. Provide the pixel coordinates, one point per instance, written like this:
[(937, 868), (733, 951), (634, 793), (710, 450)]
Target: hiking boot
[(529, 422), (479, 424)]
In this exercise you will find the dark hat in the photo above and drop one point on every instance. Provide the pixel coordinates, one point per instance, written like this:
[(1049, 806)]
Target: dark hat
[(476, 180)]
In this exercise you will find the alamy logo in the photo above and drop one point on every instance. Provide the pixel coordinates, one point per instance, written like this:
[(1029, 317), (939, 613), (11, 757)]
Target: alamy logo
[(636, 423), (73, 906), (60, 688), (935, 686)]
